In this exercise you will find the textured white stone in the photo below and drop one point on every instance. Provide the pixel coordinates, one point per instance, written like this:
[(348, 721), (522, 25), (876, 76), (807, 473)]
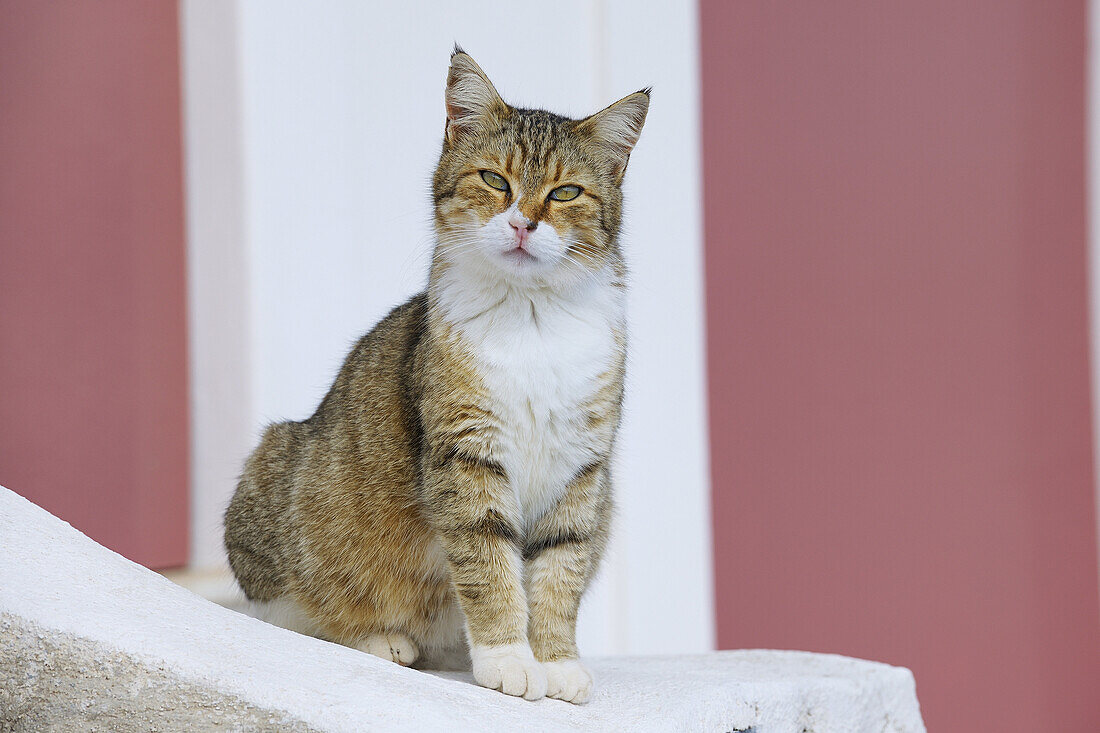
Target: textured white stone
[(137, 652)]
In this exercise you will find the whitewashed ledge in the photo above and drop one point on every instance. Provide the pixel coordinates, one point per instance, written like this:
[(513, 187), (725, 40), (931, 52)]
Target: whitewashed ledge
[(91, 641)]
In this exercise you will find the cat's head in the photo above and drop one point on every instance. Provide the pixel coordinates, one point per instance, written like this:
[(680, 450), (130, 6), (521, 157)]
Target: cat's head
[(526, 195)]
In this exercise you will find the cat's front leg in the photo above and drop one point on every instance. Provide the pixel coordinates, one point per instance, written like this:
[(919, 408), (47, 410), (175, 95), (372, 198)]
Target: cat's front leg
[(476, 517), (561, 555)]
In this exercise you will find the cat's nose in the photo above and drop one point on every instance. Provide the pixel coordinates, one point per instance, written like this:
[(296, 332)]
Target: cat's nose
[(521, 227)]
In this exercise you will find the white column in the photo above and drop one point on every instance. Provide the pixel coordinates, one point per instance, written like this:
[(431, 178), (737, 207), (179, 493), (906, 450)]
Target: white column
[(217, 268), (341, 114), (667, 596)]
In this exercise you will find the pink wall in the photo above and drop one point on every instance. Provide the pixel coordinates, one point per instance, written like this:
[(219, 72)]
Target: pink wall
[(896, 301), (93, 368)]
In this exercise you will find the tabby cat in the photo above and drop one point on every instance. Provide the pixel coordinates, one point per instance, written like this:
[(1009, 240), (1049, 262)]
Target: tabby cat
[(452, 492)]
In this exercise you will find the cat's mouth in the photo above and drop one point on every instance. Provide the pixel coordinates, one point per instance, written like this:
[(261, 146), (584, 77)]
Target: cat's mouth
[(519, 255)]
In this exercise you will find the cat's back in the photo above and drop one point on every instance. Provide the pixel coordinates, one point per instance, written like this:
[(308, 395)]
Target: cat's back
[(300, 472), (375, 383)]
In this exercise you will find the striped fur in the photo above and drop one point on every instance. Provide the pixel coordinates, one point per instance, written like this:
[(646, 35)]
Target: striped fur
[(451, 495)]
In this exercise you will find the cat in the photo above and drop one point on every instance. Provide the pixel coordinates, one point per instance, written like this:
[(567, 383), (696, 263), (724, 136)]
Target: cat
[(452, 492)]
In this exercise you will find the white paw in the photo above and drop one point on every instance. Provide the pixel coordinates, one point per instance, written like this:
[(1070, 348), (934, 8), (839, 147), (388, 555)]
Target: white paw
[(394, 647), (512, 669), (568, 680)]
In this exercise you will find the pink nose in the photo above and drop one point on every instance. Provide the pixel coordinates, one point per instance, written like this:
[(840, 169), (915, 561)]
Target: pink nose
[(521, 228)]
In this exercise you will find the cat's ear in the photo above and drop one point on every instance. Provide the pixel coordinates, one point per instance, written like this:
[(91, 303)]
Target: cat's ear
[(614, 131), (471, 99)]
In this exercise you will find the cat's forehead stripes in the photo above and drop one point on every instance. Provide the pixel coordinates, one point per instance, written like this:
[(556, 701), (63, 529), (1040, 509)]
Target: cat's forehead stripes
[(534, 146)]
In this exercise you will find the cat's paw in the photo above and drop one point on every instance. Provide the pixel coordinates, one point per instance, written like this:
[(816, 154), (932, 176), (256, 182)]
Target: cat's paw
[(512, 669), (568, 680), (394, 647)]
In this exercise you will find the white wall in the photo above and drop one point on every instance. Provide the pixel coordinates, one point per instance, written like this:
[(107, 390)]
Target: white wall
[(339, 113)]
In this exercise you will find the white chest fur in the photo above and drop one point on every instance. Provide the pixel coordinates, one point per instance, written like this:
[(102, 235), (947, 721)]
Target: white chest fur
[(541, 356)]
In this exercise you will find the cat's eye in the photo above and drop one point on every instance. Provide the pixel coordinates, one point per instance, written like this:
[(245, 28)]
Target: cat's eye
[(565, 193), (494, 180)]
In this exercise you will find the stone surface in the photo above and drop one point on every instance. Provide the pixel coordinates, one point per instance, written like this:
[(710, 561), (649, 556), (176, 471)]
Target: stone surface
[(91, 641)]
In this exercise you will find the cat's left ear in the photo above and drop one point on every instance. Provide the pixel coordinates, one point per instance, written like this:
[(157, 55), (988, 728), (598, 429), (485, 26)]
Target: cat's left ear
[(471, 98), (615, 130)]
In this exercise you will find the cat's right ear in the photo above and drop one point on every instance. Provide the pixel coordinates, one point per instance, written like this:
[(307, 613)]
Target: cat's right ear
[(471, 99)]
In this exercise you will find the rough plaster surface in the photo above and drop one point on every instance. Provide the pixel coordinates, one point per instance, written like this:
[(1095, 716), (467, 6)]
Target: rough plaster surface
[(89, 640), (55, 681)]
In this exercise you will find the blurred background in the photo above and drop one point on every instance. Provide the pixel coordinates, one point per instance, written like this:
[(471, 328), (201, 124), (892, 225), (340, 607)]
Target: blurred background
[(858, 411)]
